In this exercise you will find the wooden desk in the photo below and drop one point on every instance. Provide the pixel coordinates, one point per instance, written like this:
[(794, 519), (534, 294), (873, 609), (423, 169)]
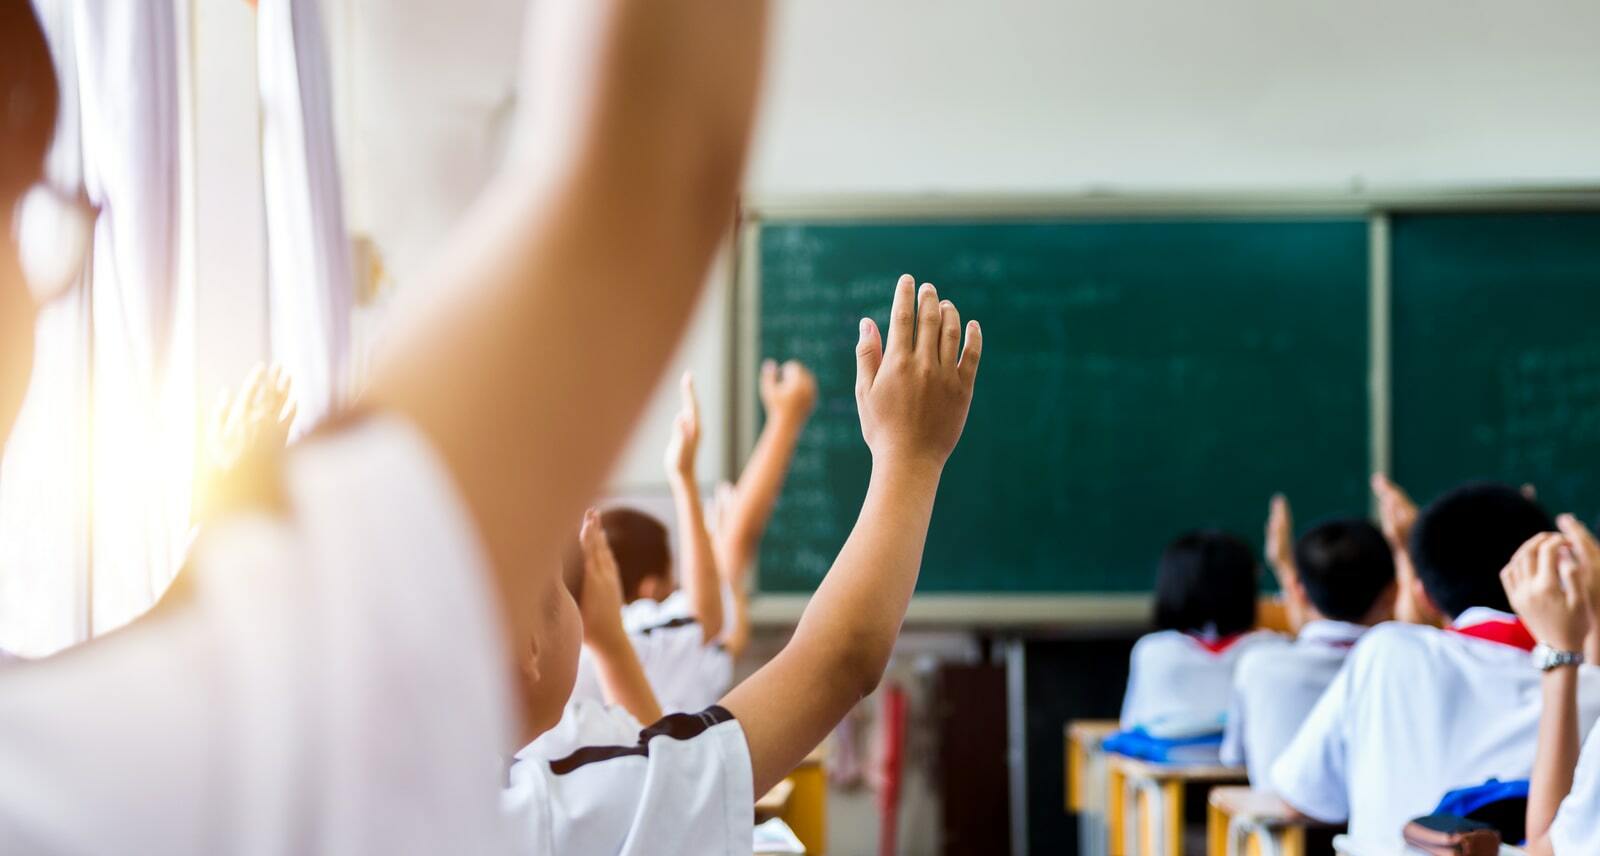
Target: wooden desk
[(1245, 822), (1086, 791), (775, 802), (1146, 803), (806, 810), (1344, 845)]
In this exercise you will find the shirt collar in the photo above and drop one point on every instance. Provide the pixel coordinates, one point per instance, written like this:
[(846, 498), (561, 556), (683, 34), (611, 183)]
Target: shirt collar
[(1337, 634), (1480, 615)]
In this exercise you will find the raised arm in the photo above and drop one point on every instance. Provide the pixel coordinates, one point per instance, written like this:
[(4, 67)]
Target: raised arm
[(1280, 559), (698, 561), (1546, 590), (571, 281), (913, 397), (1587, 552), (788, 394), (1397, 514), (622, 677)]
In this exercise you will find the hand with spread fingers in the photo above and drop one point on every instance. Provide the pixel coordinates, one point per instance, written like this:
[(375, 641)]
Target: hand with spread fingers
[(913, 392), (244, 442)]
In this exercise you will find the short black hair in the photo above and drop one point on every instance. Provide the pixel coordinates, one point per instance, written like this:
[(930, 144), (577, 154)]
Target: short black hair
[(1206, 582), (28, 95), (639, 541), (1345, 566), (1465, 538)]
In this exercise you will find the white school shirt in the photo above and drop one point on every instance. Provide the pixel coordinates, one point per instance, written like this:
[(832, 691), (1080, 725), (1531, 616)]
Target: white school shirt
[(336, 682), (1275, 686), (1176, 674), (583, 723), (1576, 829), (686, 672), (683, 785), (1415, 713)]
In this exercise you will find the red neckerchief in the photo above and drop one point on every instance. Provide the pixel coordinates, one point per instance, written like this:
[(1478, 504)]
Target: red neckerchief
[(1217, 646), (1512, 633)]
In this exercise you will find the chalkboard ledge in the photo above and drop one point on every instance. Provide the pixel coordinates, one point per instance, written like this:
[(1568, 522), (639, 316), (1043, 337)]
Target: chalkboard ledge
[(1045, 609)]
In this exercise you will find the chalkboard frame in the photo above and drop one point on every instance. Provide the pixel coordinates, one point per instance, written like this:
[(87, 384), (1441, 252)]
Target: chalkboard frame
[(1089, 610)]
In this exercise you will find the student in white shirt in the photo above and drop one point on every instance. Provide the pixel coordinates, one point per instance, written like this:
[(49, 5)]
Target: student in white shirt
[(1205, 612), (1554, 585), (1419, 711), (689, 782), (339, 676), (677, 631), (1341, 581)]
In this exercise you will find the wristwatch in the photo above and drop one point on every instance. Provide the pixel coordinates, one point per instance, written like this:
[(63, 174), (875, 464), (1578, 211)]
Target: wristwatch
[(1547, 658)]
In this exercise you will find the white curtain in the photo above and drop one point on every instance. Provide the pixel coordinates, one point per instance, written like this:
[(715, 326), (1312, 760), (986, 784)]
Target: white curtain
[(310, 279), (95, 487)]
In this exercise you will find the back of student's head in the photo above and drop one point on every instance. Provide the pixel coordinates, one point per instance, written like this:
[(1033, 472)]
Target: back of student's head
[(1206, 583), (1346, 568), (28, 96), (1465, 538), (640, 543)]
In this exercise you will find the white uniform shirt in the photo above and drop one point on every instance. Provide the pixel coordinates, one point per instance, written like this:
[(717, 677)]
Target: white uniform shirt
[(1576, 829), (584, 723), (1415, 713), (682, 786), (686, 672), (1275, 686), (1176, 674), (336, 684)]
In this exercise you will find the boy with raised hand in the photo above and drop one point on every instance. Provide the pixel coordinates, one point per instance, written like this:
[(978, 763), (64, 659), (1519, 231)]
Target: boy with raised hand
[(342, 675), (592, 578), (788, 394), (688, 784), (1339, 580), (1419, 711), (1554, 585)]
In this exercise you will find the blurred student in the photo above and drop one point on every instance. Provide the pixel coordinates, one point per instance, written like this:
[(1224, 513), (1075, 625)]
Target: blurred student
[(1418, 711), (1205, 615), (1554, 586), (687, 785), (341, 675), (676, 629), (1341, 580)]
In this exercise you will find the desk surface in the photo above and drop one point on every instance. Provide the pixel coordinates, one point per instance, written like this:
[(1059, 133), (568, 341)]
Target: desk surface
[(1135, 768), (1087, 732), (1345, 846)]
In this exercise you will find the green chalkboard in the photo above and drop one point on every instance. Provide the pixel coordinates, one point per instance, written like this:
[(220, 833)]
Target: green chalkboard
[(1496, 355), (1140, 377)]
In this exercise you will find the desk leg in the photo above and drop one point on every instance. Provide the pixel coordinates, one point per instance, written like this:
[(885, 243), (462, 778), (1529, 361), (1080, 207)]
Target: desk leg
[(1116, 814), (1294, 841), (807, 814), (1216, 831), (1172, 808)]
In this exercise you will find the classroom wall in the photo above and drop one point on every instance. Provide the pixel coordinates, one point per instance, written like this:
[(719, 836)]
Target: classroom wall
[(1012, 96)]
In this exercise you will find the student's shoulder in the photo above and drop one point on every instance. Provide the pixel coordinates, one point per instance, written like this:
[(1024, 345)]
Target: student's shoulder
[(1160, 641), (1396, 647), (1267, 654)]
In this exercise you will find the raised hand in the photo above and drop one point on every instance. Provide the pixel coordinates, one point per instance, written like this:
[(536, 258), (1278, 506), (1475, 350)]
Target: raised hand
[(685, 432), (601, 601), (788, 391), (1280, 538), (1542, 583), (244, 440), (913, 393), (1397, 514)]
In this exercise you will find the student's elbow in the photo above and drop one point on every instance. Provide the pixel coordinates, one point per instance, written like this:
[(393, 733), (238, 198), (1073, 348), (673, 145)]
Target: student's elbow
[(861, 664)]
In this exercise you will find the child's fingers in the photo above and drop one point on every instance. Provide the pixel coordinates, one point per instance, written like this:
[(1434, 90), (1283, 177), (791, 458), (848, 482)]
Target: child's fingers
[(928, 316), (902, 316), (971, 353), (769, 374), (1572, 586), (1549, 559), (869, 355), (949, 334)]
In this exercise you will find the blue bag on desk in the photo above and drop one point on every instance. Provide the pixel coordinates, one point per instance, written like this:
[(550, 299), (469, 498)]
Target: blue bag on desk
[(1502, 805), (1186, 741)]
